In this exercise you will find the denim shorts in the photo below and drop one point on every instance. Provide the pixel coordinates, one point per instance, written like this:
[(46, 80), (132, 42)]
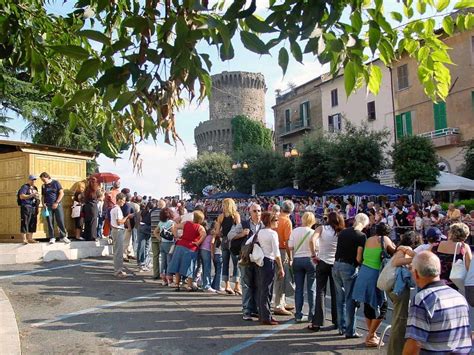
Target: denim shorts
[(182, 261)]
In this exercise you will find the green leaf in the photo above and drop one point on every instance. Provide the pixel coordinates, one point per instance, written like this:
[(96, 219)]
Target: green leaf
[(80, 96), (226, 54), (396, 16), (125, 99), (441, 5), (57, 100), (257, 25), (460, 22), (95, 36), (72, 51), (463, 4), (469, 22), (356, 21), (2, 84), (448, 25), (349, 77), (441, 56), (139, 23), (374, 36), (375, 79), (253, 43), (283, 59), (73, 118), (296, 51), (89, 68), (429, 26), (421, 6)]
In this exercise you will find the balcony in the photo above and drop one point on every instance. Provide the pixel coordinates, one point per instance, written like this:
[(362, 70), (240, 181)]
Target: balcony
[(444, 137), (296, 128)]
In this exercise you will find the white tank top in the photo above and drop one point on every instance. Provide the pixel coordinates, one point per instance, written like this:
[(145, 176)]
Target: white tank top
[(327, 245)]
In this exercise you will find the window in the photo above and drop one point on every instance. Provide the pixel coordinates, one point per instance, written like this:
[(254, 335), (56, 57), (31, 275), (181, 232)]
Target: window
[(304, 114), (335, 122), (371, 111), (287, 120), (439, 113), (403, 125), (334, 101), (402, 74)]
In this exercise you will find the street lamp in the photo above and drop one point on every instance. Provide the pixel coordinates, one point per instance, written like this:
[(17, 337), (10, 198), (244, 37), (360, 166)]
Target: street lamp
[(292, 153), (239, 165), (180, 181)]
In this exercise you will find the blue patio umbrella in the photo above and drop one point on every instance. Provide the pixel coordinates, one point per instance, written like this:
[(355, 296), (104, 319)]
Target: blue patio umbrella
[(287, 191), (367, 188)]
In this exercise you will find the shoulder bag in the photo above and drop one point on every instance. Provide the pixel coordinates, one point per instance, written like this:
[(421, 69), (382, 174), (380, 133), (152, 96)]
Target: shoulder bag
[(458, 271), (387, 275), (246, 250)]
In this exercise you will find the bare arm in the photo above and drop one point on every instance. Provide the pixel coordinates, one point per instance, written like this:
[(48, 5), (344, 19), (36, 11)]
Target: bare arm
[(60, 196), (360, 252), (467, 256), (313, 240), (412, 347), (202, 236), (389, 245)]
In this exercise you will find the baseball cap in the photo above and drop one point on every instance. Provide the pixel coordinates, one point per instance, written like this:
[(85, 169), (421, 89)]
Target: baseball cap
[(434, 233), (32, 177)]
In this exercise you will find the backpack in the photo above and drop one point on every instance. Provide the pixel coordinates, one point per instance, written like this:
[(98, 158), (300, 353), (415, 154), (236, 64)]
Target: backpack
[(166, 234)]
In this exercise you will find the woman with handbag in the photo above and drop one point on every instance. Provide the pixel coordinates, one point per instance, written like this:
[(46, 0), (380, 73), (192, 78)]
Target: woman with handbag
[(301, 250), (402, 257), (161, 247), (267, 239), (365, 287), (452, 250), (326, 236)]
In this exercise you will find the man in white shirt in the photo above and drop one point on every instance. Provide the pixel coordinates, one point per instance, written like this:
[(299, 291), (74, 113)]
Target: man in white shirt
[(117, 221)]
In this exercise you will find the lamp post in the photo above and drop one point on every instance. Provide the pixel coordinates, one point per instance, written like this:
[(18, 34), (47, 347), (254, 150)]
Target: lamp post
[(238, 165), (292, 153), (180, 181)]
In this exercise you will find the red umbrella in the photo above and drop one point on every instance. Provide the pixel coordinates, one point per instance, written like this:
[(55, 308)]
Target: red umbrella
[(106, 177)]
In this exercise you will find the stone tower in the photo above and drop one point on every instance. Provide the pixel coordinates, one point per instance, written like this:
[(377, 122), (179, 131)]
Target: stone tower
[(233, 94)]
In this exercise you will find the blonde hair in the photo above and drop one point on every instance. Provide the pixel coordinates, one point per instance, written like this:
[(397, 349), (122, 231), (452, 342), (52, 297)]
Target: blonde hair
[(308, 219), (361, 221), (198, 217), (458, 232), (229, 208)]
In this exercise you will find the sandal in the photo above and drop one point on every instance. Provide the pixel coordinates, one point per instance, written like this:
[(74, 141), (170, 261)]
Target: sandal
[(229, 291), (238, 292), (373, 343)]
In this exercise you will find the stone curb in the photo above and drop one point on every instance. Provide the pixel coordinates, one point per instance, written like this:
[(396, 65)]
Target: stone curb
[(9, 335)]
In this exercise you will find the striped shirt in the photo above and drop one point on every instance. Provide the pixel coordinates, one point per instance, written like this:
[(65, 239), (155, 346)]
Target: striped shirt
[(439, 320)]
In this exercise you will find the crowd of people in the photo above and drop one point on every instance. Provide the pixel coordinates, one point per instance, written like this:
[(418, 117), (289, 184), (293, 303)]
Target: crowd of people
[(198, 245)]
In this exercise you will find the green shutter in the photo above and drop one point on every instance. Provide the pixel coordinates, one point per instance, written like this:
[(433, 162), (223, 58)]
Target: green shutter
[(398, 126), (440, 119), (301, 114), (408, 127)]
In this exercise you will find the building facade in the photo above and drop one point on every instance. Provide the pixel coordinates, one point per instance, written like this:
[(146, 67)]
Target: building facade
[(449, 124), (233, 94), (297, 112)]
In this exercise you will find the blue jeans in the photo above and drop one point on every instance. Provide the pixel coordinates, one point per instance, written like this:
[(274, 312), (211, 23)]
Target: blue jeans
[(344, 278), (165, 258), (100, 226), (304, 268), (216, 281), (249, 289), (226, 256), (143, 245), (206, 268)]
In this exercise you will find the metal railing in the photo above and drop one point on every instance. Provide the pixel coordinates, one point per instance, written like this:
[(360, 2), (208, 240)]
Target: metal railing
[(449, 131)]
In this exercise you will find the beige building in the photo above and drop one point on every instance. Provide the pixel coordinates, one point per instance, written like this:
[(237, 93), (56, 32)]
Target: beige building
[(450, 124), (297, 111)]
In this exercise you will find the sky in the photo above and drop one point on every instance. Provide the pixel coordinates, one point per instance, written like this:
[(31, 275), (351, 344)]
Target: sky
[(161, 162)]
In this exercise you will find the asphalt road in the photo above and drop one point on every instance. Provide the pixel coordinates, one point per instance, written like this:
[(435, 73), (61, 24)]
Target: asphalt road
[(80, 308)]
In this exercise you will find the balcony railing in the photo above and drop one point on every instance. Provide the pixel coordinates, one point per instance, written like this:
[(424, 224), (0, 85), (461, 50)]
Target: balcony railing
[(295, 128), (444, 137)]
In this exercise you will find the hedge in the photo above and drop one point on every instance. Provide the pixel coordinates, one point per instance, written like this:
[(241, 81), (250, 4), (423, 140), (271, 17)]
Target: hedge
[(469, 204)]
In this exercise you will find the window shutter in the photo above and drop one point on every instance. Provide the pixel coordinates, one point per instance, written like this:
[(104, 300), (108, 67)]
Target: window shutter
[(330, 124), (399, 126), (301, 113), (440, 119), (409, 130)]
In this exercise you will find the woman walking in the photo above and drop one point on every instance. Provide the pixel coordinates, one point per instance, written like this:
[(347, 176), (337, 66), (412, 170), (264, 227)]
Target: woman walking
[(301, 249), (224, 223), (163, 240), (143, 240), (267, 238), (326, 236), (365, 287)]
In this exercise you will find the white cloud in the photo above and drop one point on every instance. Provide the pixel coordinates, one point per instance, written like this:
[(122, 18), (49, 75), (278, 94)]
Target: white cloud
[(160, 167)]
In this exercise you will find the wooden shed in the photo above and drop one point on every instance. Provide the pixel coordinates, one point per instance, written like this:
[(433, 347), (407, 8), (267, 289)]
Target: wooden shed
[(17, 161)]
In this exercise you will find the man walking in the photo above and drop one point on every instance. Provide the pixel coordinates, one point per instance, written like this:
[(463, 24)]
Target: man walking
[(52, 195), (238, 235), (438, 320), (28, 198), (281, 285)]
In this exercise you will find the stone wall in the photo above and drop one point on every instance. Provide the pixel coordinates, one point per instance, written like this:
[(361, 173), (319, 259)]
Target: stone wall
[(233, 94)]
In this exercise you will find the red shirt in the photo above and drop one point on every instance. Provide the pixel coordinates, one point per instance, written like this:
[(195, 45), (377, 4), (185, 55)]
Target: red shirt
[(190, 235)]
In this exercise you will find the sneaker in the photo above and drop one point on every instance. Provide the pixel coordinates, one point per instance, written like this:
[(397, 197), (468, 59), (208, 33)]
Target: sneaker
[(65, 240), (210, 290), (52, 240), (247, 317), (80, 238), (145, 269), (302, 319)]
